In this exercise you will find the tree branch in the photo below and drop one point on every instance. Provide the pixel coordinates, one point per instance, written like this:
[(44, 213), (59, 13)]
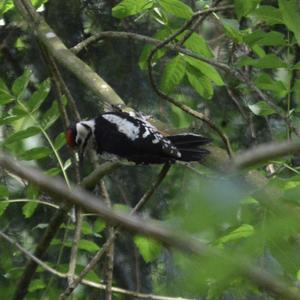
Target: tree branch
[(181, 241), (54, 224), (265, 152), (64, 56), (112, 236), (49, 269)]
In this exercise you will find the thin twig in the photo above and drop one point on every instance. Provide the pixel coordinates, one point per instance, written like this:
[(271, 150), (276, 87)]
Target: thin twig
[(51, 270), (202, 17), (109, 265), (54, 224), (182, 106), (180, 240), (112, 237), (265, 152), (243, 113), (75, 244)]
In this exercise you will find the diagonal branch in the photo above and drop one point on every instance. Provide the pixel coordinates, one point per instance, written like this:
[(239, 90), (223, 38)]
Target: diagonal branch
[(64, 56), (112, 237), (49, 269), (54, 224), (265, 152), (156, 230)]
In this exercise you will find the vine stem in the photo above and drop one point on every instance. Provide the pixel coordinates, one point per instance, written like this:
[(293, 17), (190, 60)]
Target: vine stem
[(48, 140)]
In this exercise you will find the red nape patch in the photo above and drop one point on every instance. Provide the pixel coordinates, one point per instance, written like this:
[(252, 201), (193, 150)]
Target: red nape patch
[(70, 137)]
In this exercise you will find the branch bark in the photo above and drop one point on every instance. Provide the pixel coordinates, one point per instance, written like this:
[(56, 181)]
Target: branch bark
[(156, 230), (64, 56)]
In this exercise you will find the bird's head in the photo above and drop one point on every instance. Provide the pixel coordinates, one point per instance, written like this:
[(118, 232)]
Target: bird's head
[(79, 135)]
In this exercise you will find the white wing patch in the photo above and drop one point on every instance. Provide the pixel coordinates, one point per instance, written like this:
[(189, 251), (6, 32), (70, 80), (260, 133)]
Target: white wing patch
[(124, 126), (150, 130)]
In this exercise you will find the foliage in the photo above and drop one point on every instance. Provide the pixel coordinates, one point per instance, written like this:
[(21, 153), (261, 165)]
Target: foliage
[(256, 101)]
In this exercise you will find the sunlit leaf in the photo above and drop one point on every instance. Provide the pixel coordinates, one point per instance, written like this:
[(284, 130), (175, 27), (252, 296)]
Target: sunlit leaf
[(130, 7), (270, 61), (5, 6), (243, 231), (244, 7), (261, 108), (88, 246), (4, 194), (39, 96), (200, 83), (261, 38), (290, 12), (21, 83), (268, 14), (160, 35), (29, 208), (36, 284), (36, 153), (99, 226), (60, 141), (231, 28), (197, 44), (50, 116), (22, 134), (5, 95), (148, 248), (173, 73), (177, 8), (206, 69)]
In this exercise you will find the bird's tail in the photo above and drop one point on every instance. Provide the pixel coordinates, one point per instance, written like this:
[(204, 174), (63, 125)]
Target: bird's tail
[(189, 145)]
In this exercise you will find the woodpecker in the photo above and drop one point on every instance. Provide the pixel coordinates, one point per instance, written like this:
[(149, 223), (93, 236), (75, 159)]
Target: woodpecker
[(130, 136)]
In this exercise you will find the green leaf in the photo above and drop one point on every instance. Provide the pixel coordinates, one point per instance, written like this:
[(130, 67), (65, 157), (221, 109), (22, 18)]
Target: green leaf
[(244, 7), (23, 134), (270, 61), (177, 8), (32, 191), (291, 16), (29, 208), (88, 246), (130, 7), (297, 66), (197, 44), (3, 192), (39, 96), (3, 207), (123, 208), (50, 116), (60, 141), (200, 83), (36, 153), (99, 226), (261, 108), (261, 38), (243, 231), (5, 6), (206, 69), (266, 82), (4, 195), (173, 73), (36, 284), (148, 248), (53, 171), (5, 95), (9, 119), (231, 28), (21, 83), (268, 14), (160, 35)]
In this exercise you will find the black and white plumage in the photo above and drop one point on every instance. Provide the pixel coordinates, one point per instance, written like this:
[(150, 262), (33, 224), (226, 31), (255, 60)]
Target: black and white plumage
[(130, 136)]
